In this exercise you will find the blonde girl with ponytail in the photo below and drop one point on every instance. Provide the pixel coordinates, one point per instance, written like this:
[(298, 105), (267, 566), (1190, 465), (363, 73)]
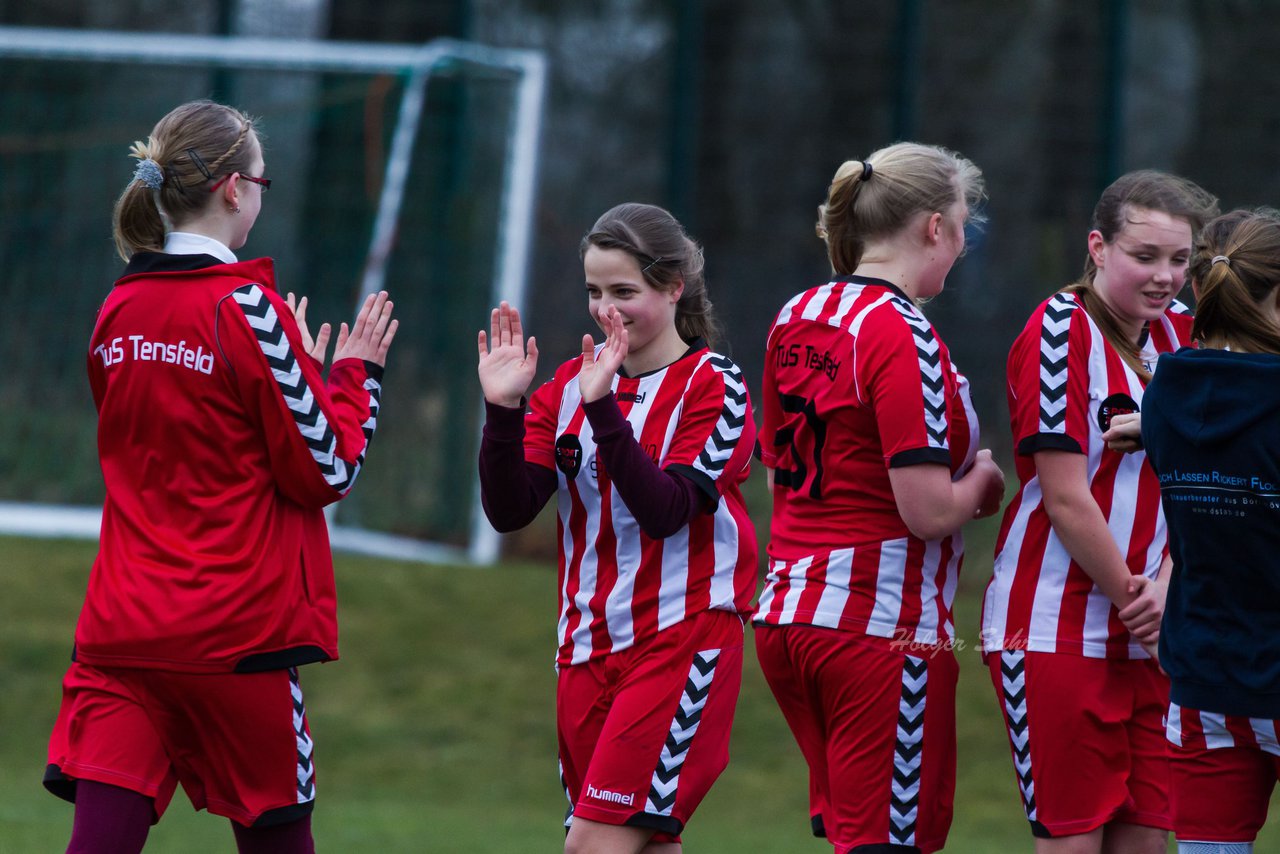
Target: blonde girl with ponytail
[(872, 452)]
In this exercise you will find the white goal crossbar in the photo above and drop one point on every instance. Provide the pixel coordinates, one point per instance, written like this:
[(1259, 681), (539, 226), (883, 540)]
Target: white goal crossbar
[(417, 62)]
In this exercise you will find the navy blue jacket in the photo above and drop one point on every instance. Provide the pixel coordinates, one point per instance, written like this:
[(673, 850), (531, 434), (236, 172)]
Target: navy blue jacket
[(1211, 426)]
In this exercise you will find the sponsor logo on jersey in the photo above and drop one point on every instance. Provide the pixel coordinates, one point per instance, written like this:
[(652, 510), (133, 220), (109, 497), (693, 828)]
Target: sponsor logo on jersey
[(611, 797), (569, 455), (1116, 404), (631, 397)]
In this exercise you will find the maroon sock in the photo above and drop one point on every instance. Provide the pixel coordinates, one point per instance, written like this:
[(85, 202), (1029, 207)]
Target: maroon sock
[(109, 819), (291, 838)]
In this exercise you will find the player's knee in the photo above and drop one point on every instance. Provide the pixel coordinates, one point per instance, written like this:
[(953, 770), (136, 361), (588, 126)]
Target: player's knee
[(589, 837)]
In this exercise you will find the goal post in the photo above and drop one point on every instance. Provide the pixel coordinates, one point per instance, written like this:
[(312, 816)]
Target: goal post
[(449, 204)]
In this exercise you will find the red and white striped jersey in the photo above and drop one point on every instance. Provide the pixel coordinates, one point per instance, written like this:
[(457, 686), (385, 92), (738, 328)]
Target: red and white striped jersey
[(619, 586), (1065, 382), (1200, 730), (857, 382)]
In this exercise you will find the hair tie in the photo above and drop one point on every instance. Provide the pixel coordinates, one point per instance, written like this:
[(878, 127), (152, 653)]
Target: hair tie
[(866, 171), (149, 173), (1220, 258)]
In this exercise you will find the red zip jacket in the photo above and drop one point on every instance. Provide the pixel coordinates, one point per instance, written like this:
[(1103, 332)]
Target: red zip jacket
[(220, 445)]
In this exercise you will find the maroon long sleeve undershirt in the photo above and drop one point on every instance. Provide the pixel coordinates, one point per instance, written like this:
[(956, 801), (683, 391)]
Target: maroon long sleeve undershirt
[(513, 490)]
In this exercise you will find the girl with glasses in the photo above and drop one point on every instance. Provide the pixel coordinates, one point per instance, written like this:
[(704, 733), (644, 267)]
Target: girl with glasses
[(220, 444)]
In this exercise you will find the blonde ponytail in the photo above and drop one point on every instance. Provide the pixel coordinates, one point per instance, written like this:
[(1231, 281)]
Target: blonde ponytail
[(190, 147), (875, 197)]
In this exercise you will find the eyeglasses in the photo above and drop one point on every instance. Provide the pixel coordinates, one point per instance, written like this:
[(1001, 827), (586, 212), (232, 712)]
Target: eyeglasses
[(198, 161), (264, 183)]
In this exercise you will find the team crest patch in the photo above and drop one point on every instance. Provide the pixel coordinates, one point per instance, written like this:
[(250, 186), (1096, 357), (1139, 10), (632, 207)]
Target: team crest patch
[(1116, 404), (569, 455)]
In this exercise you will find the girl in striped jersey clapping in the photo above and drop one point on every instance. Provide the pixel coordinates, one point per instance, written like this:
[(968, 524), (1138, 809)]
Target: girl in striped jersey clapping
[(644, 440)]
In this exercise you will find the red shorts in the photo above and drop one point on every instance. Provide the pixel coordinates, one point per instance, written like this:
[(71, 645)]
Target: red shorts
[(1224, 770), (877, 726), (238, 742), (1087, 737), (645, 732)]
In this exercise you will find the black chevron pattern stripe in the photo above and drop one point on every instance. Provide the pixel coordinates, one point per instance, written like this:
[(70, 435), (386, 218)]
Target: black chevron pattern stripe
[(684, 725), (1050, 394), (568, 813), (306, 767), (291, 382), (1053, 340), (908, 749), (375, 406), (724, 363), (908, 778), (1055, 331), (724, 437), (909, 725), (929, 354), (1013, 685), (1052, 423)]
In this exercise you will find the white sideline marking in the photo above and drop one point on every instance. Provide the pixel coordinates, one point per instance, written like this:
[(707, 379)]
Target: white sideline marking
[(53, 521)]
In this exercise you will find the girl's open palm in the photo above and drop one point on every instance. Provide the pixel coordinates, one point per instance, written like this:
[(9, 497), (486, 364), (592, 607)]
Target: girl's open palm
[(370, 336), (506, 367), (315, 347), (595, 378)]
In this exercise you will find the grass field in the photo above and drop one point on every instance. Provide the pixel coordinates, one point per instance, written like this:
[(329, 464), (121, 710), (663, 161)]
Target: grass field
[(434, 733)]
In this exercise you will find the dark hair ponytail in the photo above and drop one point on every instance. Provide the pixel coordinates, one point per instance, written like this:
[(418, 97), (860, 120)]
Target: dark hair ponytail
[(667, 257)]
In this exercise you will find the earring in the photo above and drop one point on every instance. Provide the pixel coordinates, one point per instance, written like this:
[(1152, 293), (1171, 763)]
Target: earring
[(236, 209)]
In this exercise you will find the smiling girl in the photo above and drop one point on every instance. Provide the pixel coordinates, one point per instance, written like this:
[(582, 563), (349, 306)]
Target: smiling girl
[(1073, 610), (645, 440)]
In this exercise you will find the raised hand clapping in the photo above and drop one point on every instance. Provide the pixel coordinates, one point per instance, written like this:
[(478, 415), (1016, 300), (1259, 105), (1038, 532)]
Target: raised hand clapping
[(595, 378), (506, 368), (371, 336), (369, 339), (315, 347)]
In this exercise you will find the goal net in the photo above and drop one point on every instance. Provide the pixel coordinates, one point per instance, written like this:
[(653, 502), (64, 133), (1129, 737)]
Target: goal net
[(410, 168)]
